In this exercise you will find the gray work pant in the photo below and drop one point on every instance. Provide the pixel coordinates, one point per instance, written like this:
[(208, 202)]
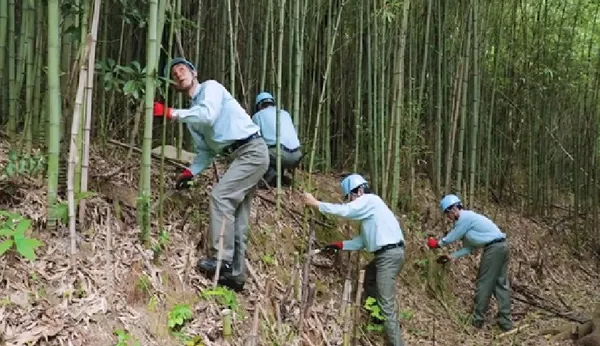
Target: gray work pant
[(288, 161), (380, 283), (492, 278), (230, 201)]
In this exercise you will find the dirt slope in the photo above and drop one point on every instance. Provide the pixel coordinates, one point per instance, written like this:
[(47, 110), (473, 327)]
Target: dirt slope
[(114, 285)]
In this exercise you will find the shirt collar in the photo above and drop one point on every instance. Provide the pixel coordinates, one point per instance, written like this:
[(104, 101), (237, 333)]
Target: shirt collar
[(197, 91)]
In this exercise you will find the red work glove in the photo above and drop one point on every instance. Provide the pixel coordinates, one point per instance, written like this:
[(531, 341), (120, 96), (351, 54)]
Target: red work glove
[(432, 243), (443, 259), (334, 246), (159, 110), (183, 180)]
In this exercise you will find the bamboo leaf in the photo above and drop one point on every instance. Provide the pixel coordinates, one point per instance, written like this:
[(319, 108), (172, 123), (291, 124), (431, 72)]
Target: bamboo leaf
[(5, 246), (26, 247), (23, 226)]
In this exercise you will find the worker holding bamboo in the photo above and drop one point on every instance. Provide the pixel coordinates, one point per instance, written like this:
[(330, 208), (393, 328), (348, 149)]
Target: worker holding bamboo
[(477, 231), (219, 125), (266, 118), (381, 235)]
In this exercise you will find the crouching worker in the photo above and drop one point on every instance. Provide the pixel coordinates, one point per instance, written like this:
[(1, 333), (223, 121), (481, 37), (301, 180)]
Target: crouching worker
[(477, 231), (380, 233), (266, 119), (219, 125)]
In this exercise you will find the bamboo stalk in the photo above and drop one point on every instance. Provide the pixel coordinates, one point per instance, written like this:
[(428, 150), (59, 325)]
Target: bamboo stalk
[(73, 152), (89, 90), (220, 253), (226, 319), (359, 289)]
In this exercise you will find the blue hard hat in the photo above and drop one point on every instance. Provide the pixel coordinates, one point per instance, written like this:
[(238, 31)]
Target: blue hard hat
[(263, 96), (351, 182), (177, 61), (449, 201)]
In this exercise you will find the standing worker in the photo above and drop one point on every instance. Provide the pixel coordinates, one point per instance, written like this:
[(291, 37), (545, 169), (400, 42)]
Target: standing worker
[(219, 125), (266, 119), (477, 231), (380, 234)]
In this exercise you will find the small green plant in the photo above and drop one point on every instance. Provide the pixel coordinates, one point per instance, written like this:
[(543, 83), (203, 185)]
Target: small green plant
[(225, 297), (125, 339), (62, 209), (160, 245), (269, 259), (178, 315), (12, 233), (406, 315), (152, 303), (375, 312), (24, 165)]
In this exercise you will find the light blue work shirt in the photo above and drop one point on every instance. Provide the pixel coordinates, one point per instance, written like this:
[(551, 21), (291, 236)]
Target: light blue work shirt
[(266, 119), (378, 225), (474, 229), (215, 120)]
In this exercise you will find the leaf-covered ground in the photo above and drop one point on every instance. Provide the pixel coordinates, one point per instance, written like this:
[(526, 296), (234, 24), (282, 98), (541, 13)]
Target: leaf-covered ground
[(113, 289)]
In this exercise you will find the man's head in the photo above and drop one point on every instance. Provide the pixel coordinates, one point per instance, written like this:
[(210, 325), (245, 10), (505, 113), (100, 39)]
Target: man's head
[(451, 206), (354, 186), (183, 74), (264, 100)]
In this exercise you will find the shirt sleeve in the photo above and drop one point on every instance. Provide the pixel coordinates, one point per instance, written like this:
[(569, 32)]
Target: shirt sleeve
[(204, 157), (358, 209), (457, 233), (256, 119), (207, 110), (355, 243), (462, 252)]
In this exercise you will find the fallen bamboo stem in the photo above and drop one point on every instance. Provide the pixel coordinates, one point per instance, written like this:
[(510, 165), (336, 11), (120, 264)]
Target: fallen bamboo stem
[(253, 275), (513, 331), (173, 162)]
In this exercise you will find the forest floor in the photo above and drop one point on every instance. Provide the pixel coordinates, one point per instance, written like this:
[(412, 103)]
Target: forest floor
[(114, 284)]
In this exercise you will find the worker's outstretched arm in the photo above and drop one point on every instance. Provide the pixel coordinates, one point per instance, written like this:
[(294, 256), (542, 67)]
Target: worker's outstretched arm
[(355, 243), (457, 233), (207, 110), (462, 252), (358, 209)]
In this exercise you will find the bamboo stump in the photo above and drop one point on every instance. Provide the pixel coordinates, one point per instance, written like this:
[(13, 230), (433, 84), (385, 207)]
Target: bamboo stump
[(584, 334)]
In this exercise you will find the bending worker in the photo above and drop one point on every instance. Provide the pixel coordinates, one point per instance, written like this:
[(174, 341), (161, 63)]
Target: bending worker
[(477, 231), (266, 119), (219, 125), (380, 234)]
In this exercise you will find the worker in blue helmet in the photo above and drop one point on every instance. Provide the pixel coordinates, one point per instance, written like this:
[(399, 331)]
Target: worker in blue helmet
[(477, 231), (266, 118), (219, 125), (380, 234)]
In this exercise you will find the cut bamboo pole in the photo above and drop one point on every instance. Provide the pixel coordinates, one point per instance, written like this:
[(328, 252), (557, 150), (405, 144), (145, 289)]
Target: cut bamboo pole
[(226, 319), (220, 253)]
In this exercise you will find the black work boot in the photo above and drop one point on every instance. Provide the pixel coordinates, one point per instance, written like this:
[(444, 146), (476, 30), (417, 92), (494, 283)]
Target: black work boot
[(477, 324), (209, 265), (232, 283), (286, 181)]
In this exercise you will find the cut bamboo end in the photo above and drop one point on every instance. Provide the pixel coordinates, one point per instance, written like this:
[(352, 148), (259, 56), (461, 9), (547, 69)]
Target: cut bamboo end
[(226, 319)]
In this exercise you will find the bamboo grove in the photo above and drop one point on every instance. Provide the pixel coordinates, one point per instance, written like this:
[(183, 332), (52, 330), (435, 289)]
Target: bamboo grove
[(491, 100)]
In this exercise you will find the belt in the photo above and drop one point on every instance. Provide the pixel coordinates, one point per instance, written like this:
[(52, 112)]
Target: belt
[(237, 144), (497, 240), (284, 148), (389, 246)]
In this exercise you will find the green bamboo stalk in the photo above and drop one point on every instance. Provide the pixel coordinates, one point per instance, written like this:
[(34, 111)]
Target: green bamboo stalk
[(54, 107), (154, 27)]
